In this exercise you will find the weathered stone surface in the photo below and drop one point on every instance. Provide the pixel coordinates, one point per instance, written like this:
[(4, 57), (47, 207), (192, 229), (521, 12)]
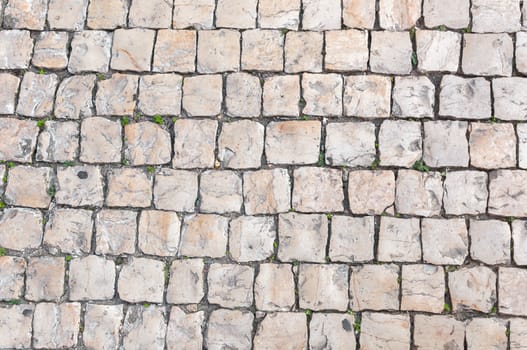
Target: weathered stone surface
[(472, 288), (323, 287), (150, 14), (202, 95), (490, 241), (175, 190), (293, 142), (391, 52), (194, 143), (236, 13), (399, 14), (193, 13), (20, 228), (115, 231), (67, 14), (147, 143), (8, 94), (487, 54), (243, 96), (418, 193), (281, 95), (518, 333), (390, 331), (445, 241), (229, 328), (262, 50), (451, 13), (302, 237), (91, 278), (90, 51), (16, 326), (186, 280), (58, 142), (160, 94), (510, 98), (29, 187), (132, 48), (413, 97), (175, 51), (323, 94), (374, 287), (346, 50), (352, 239), (16, 47), (101, 326), (141, 279), (19, 138), (358, 13), (279, 14), (512, 291), (69, 231), (350, 144), (267, 191), (158, 232), (399, 239), (436, 332), (467, 98), (56, 325), (507, 193), (521, 52), (445, 144), (423, 288), (37, 93), (333, 331), (465, 192), (303, 51), (220, 192), (116, 96), (184, 330), (12, 273), (519, 237), (100, 140), (51, 50), (241, 144), (438, 51), (400, 143), (45, 278), (129, 187), (204, 235), (218, 50), (317, 190), (74, 97), (486, 333), (282, 330), (251, 238), (321, 15), (79, 186), (144, 327), (28, 14), (107, 14), (370, 192), (225, 292), (367, 96), (495, 16), (274, 288)]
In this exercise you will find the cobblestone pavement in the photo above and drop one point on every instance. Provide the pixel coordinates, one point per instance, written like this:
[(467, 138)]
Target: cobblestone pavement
[(263, 174)]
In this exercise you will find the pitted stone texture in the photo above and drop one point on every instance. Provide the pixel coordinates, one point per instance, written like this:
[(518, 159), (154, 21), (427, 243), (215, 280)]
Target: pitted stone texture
[(279, 14), (69, 231), (374, 287), (423, 288), (399, 239), (100, 140), (129, 187), (293, 142), (90, 51), (321, 15), (51, 50), (160, 94), (243, 95), (184, 330), (346, 50), (507, 193), (331, 331), (202, 95), (147, 143), (229, 328), (281, 95), (251, 238), (230, 285), (317, 190), (175, 190), (16, 326), (132, 48), (29, 187), (45, 278), (323, 94), (56, 326), (465, 192), (486, 333), (116, 96), (391, 52), (16, 47), (193, 13), (274, 288), (323, 287), (115, 231), (472, 288), (400, 143), (518, 333), (67, 14), (262, 50), (495, 16), (74, 97), (282, 330), (20, 228), (358, 13), (194, 143), (241, 144), (367, 96), (204, 235), (519, 237), (445, 144), (438, 51), (370, 192), (91, 278), (19, 138), (238, 14), (413, 97), (389, 331), (8, 94), (399, 14), (150, 14), (352, 239), (445, 241), (144, 327), (220, 192), (303, 51), (140, 280), (101, 326), (79, 186), (218, 50), (510, 98), (418, 193), (350, 144), (158, 232), (186, 280), (12, 273), (175, 51), (267, 191), (58, 142), (436, 332), (492, 145), (521, 52), (107, 14), (37, 93), (467, 98), (451, 13), (512, 291), (487, 54), (302, 237), (28, 14)]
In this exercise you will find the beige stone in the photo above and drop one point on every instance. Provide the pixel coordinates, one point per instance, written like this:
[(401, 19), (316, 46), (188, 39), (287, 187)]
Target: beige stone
[(399, 14), (160, 94), (487, 54), (437, 50), (218, 50), (116, 96), (19, 139), (413, 97), (399, 239), (144, 327), (389, 331), (358, 13), (79, 186), (45, 278), (16, 48), (333, 331), (418, 193), (267, 191), (371, 192), (107, 14), (321, 15), (400, 143), (282, 330), (510, 97), (67, 14), (281, 95), (486, 333), (445, 241), (69, 231), (350, 144), (302, 237), (147, 143), (241, 144), (512, 291), (175, 190), (129, 187), (262, 50), (274, 288), (346, 50), (323, 287), (187, 273), (436, 332), (141, 279), (100, 140), (74, 97), (495, 16), (374, 287), (132, 48), (518, 333), (323, 94), (229, 328), (16, 326), (467, 98), (465, 192), (37, 93), (56, 325), (251, 238), (175, 51), (51, 50), (58, 142), (490, 241), (29, 14), (227, 293), (243, 95), (158, 232), (293, 142), (352, 239), (202, 95), (91, 278), (492, 145), (90, 51), (8, 94), (303, 51), (101, 326), (317, 190), (521, 52), (507, 196), (367, 96), (29, 187), (20, 228), (519, 237), (472, 288), (445, 144), (150, 14), (193, 13), (238, 14), (204, 235), (115, 231), (279, 14), (451, 13), (194, 143), (423, 288), (12, 273), (391, 52), (184, 330), (220, 192)]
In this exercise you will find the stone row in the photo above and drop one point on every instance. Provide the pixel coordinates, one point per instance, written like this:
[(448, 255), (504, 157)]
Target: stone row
[(214, 51), (485, 15)]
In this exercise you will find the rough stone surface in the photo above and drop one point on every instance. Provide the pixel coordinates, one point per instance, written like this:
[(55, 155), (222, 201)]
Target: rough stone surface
[(274, 288), (224, 292), (331, 331), (391, 52), (374, 287), (495, 16), (8, 94), (19, 139), (218, 50), (352, 239), (202, 95), (158, 232), (487, 54), (422, 288), (506, 193), (12, 271), (115, 231), (367, 96), (490, 241), (74, 97), (251, 238), (101, 326), (100, 140), (29, 187), (90, 51), (243, 95), (350, 144), (418, 193), (317, 190), (16, 326), (160, 94), (58, 142), (262, 50), (241, 144), (436, 50), (220, 192), (445, 241), (116, 96), (150, 14), (37, 92), (188, 273), (512, 289), (358, 13), (465, 192), (464, 97), (413, 97), (399, 14), (20, 228), (236, 13), (91, 278), (322, 93), (144, 327), (107, 14), (399, 240), (487, 333), (379, 330), (204, 235), (371, 192), (323, 287), (132, 48), (229, 328), (510, 99), (519, 237), (438, 332), (69, 231), (303, 52), (451, 13), (51, 51), (67, 14), (472, 288), (129, 187), (302, 237), (79, 186), (321, 15), (281, 95), (56, 325), (346, 50), (267, 191), (194, 143), (175, 190), (293, 142), (279, 14), (141, 279), (282, 330), (147, 143), (445, 144), (28, 14), (45, 278), (175, 51), (492, 146), (184, 329), (400, 143), (191, 13)]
